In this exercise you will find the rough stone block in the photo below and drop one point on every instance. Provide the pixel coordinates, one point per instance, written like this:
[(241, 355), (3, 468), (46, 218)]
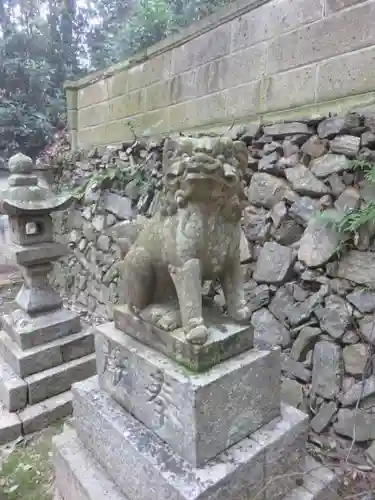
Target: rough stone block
[(291, 89), (226, 339), (37, 359), (243, 100), (59, 379), (202, 49), (91, 94), (121, 443), (271, 20), (327, 38), (77, 475), (93, 115), (117, 84), (129, 104), (30, 332), (184, 87), (39, 416), (153, 70), (234, 69), (333, 75), (181, 407), (13, 390), (10, 426)]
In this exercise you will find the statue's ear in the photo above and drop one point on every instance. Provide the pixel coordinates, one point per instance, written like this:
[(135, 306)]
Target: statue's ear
[(241, 154)]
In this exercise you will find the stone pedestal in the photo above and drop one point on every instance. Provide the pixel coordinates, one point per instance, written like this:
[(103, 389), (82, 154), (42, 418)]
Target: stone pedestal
[(148, 427), (42, 348)]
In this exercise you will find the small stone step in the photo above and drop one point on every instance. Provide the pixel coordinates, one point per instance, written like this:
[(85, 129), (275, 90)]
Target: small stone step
[(10, 426), (77, 475), (39, 416), (13, 390), (34, 360), (48, 383)]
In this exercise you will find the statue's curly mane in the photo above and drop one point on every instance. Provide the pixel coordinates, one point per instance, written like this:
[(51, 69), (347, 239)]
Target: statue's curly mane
[(213, 152)]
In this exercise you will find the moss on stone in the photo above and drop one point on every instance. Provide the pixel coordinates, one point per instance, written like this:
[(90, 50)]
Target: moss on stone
[(27, 472)]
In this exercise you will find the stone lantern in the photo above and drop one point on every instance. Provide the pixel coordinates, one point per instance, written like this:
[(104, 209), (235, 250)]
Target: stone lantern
[(29, 207), (43, 350)]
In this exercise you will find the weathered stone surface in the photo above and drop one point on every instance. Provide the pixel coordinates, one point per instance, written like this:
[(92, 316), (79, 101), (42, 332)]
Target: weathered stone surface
[(294, 369), (319, 483), (256, 226), (59, 379), (358, 425), (305, 183), (265, 190), (258, 297), (359, 391), (181, 407), (226, 339), (305, 341), (327, 370), (329, 127), (363, 300), (292, 392), (120, 206), (324, 417), (367, 329), (274, 265), (347, 145), (77, 475), (10, 426), (358, 267), (329, 164), (281, 303), (285, 453), (318, 244), (39, 416), (39, 358), (349, 199), (282, 130), (303, 210), (13, 390), (356, 358), (233, 473), (267, 329), (29, 332), (314, 147), (334, 317), (370, 453)]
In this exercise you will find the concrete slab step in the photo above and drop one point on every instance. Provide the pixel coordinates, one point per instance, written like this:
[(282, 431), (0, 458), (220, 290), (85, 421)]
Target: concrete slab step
[(77, 475), (80, 477)]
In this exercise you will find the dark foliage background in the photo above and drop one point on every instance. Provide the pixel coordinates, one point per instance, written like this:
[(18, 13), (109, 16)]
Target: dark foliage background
[(45, 42)]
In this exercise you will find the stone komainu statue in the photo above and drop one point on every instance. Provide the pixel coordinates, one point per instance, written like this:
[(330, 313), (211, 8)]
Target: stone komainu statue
[(194, 237)]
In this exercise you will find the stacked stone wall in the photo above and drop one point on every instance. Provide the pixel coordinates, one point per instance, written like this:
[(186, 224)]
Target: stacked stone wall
[(311, 288)]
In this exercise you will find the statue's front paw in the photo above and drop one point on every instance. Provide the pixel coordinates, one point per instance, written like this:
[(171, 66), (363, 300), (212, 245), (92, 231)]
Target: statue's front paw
[(197, 335), (242, 314)]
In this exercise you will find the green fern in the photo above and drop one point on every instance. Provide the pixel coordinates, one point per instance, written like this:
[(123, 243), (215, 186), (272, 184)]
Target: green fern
[(354, 219)]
